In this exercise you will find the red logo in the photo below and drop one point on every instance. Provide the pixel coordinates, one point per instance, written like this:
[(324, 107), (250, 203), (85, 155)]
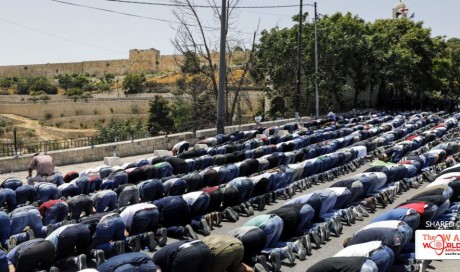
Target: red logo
[(438, 244)]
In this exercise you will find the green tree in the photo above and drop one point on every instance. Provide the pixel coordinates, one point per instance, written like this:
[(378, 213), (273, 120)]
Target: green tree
[(191, 63), (108, 78), (278, 107), (35, 84), (22, 86), (72, 81), (199, 111), (181, 113), (403, 53), (343, 57), (42, 84), (160, 120), (6, 82), (275, 59), (65, 81), (399, 59), (133, 83), (446, 72), (119, 130)]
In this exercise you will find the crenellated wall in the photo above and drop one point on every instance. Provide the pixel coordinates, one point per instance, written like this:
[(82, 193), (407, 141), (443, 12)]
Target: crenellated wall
[(139, 61)]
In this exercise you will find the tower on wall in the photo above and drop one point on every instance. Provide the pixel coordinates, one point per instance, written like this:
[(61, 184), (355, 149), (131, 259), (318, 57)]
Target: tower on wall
[(141, 61), (400, 10)]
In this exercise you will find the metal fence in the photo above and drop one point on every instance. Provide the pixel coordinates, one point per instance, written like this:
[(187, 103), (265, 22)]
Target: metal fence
[(21, 147), (82, 100), (9, 149)]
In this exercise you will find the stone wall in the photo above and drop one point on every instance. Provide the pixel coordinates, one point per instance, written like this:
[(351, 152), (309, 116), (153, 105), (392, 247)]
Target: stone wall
[(123, 149), (139, 61), (168, 63), (39, 110), (109, 104), (142, 61)]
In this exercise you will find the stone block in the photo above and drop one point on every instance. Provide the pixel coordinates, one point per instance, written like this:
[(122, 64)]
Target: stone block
[(112, 161), (162, 153), (283, 132), (200, 146)]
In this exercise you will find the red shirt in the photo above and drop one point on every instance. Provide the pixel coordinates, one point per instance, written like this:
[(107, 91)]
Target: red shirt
[(48, 204)]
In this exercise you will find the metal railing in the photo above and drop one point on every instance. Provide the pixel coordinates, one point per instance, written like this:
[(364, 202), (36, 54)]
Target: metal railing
[(9, 149), (83, 100)]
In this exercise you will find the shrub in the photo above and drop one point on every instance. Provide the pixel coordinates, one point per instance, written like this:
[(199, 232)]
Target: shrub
[(48, 116), (30, 133), (74, 92), (134, 108)]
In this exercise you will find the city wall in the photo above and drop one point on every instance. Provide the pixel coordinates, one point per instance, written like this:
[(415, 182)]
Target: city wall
[(139, 61)]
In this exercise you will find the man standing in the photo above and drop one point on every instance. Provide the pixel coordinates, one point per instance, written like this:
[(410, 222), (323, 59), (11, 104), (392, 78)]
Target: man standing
[(44, 164)]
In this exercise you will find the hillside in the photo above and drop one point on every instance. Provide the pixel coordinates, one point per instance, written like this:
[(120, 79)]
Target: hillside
[(32, 131)]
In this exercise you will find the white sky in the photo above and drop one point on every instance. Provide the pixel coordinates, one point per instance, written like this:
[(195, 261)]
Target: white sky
[(44, 31)]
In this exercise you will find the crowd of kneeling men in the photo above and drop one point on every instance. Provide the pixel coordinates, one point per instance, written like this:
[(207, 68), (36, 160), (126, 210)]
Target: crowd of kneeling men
[(106, 217)]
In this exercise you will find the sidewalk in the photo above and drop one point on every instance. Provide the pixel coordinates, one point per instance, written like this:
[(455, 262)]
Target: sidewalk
[(72, 167)]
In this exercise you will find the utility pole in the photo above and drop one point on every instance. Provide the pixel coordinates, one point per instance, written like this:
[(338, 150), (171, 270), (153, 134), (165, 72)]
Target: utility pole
[(299, 61), (316, 62), (222, 71)]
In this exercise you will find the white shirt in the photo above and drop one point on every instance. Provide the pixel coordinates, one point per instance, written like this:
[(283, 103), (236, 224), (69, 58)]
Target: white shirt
[(178, 145), (128, 213), (391, 224), (338, 190), (450, 176), (362, 151), (191, 198), (359, 250), (438, 182)]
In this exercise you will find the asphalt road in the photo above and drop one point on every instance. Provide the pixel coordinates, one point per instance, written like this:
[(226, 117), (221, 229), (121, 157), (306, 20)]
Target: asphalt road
[(328, 250)]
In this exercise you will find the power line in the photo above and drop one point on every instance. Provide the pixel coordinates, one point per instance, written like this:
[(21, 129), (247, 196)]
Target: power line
[(58, 37), (112, 11), (201, 6), (139, 16)]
